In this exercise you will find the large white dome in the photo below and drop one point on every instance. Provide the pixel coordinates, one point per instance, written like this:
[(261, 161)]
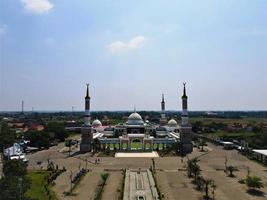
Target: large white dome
[(135, 119), (172, 122), (96, 123)]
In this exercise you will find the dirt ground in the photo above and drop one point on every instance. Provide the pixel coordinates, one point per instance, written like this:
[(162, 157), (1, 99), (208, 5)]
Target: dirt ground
[(170, 174)]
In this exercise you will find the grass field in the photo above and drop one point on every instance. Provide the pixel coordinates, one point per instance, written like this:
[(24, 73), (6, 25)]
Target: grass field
[(37, 190)]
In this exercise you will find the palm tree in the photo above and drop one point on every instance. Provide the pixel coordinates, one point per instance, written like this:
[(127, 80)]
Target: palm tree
[(202, 143), (231, 169), (254, 182), (207, 183), (191, 163), (196, 171), (213, 186), (200, 182)]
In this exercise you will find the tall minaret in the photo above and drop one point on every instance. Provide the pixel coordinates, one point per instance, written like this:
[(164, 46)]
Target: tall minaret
[(86, 129), (163, 119), (184, 108), (185, 129), (87, 107), (163, 107)]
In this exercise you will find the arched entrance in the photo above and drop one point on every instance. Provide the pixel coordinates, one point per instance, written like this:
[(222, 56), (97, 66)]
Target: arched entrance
[(124, 146), (148, 146), (136, 144)]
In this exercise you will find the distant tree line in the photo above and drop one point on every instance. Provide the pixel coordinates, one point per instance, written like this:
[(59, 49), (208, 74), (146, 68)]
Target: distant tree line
[(53, 132)]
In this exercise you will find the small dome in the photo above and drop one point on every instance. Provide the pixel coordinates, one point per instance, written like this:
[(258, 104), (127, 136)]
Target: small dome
[(172, 122), (96, 123), (135, 119)]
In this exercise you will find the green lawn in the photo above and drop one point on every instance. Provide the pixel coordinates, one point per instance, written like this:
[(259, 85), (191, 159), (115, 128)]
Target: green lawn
[(37, 190)]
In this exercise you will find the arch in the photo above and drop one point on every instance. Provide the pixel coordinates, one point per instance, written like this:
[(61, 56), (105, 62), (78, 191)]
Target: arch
[(148, 146), (124, 146), (136, 144), (136, 140), (117, 146)]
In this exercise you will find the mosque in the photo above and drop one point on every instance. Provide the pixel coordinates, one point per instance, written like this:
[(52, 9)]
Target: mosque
[(136, 134)]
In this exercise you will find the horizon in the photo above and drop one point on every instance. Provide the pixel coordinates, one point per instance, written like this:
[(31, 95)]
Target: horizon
[(81, 111), (130, 55)]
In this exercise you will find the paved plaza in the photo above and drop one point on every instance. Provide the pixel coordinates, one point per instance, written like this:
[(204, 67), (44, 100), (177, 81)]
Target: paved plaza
[(170, 174)]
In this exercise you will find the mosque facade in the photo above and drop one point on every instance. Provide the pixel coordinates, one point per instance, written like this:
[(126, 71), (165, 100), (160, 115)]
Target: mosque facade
[(136, 134)]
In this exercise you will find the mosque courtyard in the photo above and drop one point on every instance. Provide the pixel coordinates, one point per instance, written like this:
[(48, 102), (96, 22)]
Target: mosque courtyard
[(170, 173)]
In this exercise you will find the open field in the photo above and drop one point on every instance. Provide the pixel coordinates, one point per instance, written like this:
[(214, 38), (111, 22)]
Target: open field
[(170, 174)]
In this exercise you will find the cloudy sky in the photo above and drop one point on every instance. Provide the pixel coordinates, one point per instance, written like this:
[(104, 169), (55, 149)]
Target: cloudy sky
[(131, 52)]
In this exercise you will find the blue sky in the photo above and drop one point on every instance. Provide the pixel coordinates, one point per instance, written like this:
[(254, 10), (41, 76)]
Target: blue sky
[(131, 52)]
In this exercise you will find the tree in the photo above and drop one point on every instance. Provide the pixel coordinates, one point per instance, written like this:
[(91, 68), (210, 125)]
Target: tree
[(58, 129), (38, 138), (231, 169), (200, 182), (202, 143), (213, 187), (7, 136), (68, 144), (14, 184), (207, 182), (14, 168), (191, 166), (197, 126), (196, 170), (254, 182)]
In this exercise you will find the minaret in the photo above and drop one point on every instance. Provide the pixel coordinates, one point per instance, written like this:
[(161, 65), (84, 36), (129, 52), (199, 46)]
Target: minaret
[(86, 131), (163, 107), (185, 129), (163, 119), (87, 107), (184, 108)]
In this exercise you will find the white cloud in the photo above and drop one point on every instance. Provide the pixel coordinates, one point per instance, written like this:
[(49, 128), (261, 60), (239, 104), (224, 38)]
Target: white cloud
[(133, 43), (37, 6)]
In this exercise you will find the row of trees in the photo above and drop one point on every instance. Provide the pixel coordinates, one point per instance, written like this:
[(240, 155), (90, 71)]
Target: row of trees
[(203, 184)]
